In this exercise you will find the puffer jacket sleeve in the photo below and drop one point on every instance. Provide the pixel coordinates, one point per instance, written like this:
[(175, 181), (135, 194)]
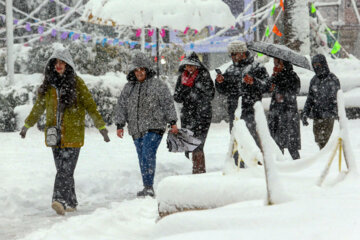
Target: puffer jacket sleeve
[(167, 104), (121, 109), (36, 112), (181, 91), (310, 99), (261, 78), (230, 85), (205, 87), (88, 102)]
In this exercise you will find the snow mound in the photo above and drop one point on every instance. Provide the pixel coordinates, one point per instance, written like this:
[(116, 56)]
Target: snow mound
[(160, 13), (205, 191)]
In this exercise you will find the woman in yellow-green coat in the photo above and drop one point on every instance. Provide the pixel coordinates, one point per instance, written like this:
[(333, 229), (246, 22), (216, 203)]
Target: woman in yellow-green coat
[(65, 98)]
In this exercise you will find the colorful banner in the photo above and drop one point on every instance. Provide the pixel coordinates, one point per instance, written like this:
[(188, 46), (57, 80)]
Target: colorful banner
[(313, 8), (336, 48), (277, 31)]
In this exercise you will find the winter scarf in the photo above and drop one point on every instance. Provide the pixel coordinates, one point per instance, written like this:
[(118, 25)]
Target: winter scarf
[(188, 79)]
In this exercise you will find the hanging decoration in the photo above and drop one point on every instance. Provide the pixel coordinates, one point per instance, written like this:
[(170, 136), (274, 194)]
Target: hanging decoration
[(313, 8), (267, 31), (28, 27), (282, 5), (162, 33), (138, 32), (186, 30), (336, 48), (273, 10), (40, 29), (277, 31), (150, 32)]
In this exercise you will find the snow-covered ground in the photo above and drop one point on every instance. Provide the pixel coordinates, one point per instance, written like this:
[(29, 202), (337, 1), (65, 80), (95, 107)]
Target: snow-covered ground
[(107, 178)]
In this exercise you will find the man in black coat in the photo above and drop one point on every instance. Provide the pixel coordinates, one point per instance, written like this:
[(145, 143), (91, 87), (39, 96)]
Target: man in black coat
[(321, 103), (246, 78), (195, 90)]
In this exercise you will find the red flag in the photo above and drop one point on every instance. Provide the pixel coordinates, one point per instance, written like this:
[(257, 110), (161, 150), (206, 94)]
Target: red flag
[(277, 31), (282, 5)]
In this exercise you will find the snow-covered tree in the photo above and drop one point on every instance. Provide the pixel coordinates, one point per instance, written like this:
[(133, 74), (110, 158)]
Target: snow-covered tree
[(297, 25)]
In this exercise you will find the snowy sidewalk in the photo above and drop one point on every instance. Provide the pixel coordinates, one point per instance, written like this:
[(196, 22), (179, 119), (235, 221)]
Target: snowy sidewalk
[(107, 178)]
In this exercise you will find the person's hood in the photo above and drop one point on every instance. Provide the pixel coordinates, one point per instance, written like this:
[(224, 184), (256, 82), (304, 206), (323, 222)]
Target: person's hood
[(323, 70), (288, 67), (64, 55), (192, 59), (140, 60)]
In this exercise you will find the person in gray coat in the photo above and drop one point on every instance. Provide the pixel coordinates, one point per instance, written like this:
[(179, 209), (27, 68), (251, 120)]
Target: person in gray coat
[(146, 105)]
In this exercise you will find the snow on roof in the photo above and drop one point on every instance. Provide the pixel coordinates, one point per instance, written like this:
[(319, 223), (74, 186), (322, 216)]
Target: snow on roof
[(178, 14)]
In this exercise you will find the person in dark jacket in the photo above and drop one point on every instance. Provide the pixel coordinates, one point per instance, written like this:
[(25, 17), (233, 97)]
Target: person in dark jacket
[(246, 78), (147, 106), (66, 99), (195, 90), (321, 103), (284, 119)]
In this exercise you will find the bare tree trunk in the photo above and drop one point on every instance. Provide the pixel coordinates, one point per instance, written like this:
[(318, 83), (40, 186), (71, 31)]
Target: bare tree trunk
[(297, 26)]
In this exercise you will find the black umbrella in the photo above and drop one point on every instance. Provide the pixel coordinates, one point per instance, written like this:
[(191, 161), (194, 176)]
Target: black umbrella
[(281, 52)]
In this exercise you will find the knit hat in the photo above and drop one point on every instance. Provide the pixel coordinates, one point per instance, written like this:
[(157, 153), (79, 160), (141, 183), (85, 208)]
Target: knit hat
[(237, 47)]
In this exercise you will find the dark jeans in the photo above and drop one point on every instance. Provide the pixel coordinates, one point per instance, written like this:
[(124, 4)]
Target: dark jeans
[(322, 129), (64, 186), (146, 148)]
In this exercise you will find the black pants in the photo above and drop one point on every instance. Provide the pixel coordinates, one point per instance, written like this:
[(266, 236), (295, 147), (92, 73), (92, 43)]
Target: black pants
[(64, 186), (322, 129)]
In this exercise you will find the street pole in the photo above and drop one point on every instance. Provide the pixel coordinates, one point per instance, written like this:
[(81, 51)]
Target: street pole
[(10, 43), (142, 38), (157, 52)]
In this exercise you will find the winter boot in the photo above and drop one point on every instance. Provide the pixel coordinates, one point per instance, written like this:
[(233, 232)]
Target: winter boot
[(147, 191), (58, 207), (198, 160), (70, 209)]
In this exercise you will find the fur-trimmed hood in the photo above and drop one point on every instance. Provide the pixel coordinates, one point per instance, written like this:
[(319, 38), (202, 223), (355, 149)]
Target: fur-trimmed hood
[(140, 60), (64, 55)]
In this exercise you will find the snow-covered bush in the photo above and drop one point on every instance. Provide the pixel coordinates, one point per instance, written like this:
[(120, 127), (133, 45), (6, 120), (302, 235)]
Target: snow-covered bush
[(94, 60), (105, 102), (7, 116), (172, 57)]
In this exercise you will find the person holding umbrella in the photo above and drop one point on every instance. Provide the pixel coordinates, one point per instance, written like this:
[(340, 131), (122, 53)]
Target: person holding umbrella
[(321, 102), (195, 90), (145, 103), (284, 119), (246, 78)]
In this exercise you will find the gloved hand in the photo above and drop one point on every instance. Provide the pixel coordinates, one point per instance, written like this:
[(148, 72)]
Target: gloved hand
[(248, 79), (104, 133), (23, 131), (174, 129), (219, 78), (120, 133), (304, 119)]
